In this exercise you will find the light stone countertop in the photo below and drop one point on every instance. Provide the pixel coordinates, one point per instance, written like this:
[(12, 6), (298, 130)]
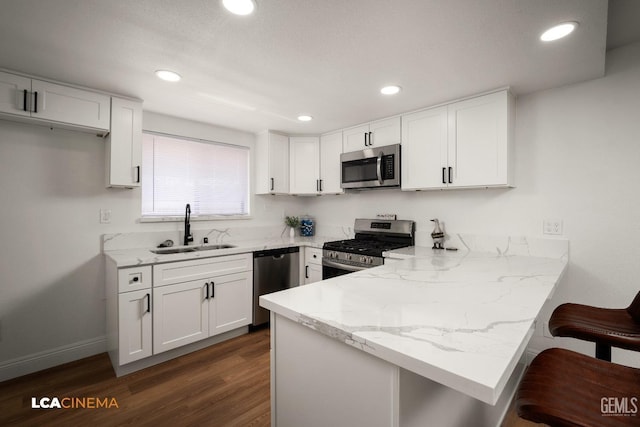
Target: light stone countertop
[(462, 319), (143, 256)]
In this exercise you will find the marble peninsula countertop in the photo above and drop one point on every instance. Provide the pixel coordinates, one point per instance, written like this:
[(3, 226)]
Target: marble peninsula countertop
[(462, 319), (143, 256)]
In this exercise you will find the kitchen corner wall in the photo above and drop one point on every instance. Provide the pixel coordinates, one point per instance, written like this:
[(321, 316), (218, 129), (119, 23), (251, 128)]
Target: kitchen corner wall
[(578, 160), (52, 185)]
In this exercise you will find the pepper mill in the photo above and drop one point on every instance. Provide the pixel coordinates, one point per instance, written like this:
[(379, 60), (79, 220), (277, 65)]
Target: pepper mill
[(437, 235)]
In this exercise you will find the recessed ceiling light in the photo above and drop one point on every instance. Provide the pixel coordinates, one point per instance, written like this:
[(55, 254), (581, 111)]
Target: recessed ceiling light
[(390, 90), (239, 7), (168, 76), (305, 118), (559, 31)]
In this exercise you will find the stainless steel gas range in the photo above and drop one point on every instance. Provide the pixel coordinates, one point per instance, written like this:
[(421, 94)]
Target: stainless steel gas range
[(372, 238)]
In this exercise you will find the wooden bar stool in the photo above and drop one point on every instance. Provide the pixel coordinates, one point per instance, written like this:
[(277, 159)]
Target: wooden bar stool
[(606, 327), (563, 388)]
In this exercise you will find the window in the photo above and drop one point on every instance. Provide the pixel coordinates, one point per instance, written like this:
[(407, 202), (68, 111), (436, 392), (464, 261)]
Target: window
[(213, 178)]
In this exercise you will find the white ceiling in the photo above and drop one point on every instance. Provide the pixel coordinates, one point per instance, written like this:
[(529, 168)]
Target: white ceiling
[(326, 58)]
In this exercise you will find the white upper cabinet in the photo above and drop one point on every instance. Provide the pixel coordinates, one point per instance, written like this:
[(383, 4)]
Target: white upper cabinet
[(462, 145), (53, 104), (424, 149), (480, 141), (305, 164), (272, 163), (315, 164), (15, 92), (124, 144), (378, 133), (330, 166), (70, 105)]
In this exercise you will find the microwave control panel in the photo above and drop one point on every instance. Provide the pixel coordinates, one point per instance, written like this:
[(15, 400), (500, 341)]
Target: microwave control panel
[(388, 169)]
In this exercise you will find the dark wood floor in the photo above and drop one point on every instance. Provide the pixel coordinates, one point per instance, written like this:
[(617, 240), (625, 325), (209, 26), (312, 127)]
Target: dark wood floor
[(223, 385)]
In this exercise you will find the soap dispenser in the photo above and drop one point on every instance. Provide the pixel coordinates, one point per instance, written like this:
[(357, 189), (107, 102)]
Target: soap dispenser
[(437, 235)]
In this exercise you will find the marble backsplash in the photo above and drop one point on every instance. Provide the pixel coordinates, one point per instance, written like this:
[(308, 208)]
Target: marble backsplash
[(151, 239)]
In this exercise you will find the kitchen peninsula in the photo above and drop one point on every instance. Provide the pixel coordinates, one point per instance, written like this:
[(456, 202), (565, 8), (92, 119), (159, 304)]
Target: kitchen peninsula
[(435, 339)]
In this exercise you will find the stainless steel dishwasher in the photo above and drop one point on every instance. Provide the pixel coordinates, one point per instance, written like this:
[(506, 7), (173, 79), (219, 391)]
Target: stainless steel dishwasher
[(273, 270)]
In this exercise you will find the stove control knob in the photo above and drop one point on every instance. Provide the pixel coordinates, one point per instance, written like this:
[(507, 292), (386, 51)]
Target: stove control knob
[(363, 259), (349, 257)]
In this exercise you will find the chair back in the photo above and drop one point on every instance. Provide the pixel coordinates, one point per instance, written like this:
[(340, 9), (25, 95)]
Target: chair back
[(634, 308)]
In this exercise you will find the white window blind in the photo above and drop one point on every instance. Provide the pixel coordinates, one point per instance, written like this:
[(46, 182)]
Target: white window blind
[(213, 178)]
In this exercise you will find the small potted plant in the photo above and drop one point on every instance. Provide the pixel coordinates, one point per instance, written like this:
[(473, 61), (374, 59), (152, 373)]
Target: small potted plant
[(292, 222)]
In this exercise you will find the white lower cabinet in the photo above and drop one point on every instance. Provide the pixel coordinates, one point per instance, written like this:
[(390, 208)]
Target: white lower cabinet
[(134, 319), (217, 300), (230, 302), (154, 309), (129, 313), (312, 265), (180, 315)]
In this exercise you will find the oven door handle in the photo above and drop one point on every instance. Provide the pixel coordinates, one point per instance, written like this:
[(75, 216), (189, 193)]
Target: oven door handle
[(379, 168), (347, 267)]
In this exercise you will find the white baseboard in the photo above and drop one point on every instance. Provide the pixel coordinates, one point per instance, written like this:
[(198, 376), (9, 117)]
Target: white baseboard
[(49, 358)]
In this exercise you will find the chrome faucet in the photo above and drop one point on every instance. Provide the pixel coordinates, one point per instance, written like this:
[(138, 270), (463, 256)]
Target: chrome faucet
[(188, 237)]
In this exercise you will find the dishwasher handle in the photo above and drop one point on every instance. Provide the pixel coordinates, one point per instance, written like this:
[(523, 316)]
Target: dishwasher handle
[(276, 253)]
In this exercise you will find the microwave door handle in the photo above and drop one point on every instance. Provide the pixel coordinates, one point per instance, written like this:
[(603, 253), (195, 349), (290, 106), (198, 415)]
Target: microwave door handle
[(379, 168)]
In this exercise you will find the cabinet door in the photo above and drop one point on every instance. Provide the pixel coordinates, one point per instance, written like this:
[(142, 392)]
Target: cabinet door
[(330, 167), (305, 165), (279, 163), (478, 138), (385, 132), (134, 326), (353, 139), (313, 273), (230, 303), (71, 106), (424, 149), (180, 314), (12, 94), (124, 144)]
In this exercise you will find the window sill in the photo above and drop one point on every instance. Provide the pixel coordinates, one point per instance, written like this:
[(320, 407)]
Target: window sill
[(193, 218)]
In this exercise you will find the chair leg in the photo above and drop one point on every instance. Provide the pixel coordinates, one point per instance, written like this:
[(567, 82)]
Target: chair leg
[(603, 352)]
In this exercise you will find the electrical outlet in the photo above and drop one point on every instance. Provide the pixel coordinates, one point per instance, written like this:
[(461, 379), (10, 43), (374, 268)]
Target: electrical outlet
[(552, 226), (105, 216)]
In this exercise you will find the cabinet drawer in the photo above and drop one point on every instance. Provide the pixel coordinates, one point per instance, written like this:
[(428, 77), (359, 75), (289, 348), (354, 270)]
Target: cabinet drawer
[(133, 279), (312, 255), (183, 271)]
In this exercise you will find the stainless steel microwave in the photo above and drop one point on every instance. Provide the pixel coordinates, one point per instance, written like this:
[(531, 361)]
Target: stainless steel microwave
[(371, 168)]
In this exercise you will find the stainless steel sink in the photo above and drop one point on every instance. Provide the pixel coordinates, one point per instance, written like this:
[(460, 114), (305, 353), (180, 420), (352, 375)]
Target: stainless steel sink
[(211, 247), (172, 250), (164, 251)]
